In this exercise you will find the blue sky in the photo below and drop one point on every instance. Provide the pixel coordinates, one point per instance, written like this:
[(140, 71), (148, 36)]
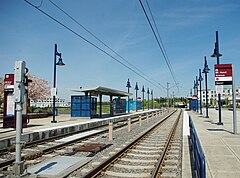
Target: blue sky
[(187, 29)]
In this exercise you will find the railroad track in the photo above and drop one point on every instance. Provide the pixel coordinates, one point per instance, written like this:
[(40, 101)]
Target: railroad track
[(49, 148), (36, 148), (39, 148), (154, 153)]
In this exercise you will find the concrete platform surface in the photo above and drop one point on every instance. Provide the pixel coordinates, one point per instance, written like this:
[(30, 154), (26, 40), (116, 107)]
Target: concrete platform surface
[(220, 146), (39, 124)]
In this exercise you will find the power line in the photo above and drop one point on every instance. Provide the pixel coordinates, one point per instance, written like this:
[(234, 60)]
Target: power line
[(161, 48), (164, 49), (100, 49), (161, 42), (67, 14)]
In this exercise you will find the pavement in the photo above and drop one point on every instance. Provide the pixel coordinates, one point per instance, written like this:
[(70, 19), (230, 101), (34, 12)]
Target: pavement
[(220, 146)]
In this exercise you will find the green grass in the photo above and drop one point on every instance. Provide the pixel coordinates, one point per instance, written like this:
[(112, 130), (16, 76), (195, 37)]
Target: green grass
[(105, 108)]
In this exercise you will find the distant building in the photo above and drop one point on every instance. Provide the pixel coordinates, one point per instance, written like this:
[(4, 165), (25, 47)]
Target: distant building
[(48, 102), (226, 97)]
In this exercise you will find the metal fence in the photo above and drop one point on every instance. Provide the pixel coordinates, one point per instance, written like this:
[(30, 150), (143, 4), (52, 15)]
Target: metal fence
[(197, 152)]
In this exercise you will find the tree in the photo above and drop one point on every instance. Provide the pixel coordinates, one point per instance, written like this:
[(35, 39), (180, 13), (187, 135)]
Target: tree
[(226, 101), (38, 88), (211, 101)]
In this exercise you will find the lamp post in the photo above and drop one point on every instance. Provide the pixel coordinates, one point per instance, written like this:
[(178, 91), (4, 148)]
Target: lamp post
[(194, 87), (128, 86), (168, 94), (59, 63), (159, 102), (152, 98), (194, 91), (173, 100), (200, 79), (143, 90), (148, 97), (206, 71), (216, 54), (197, 91), (136, 88)]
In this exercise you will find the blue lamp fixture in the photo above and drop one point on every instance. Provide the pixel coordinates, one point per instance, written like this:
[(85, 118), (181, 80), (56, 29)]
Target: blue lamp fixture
[(152, 98), (148, 97), (136, 88), (59, 63), (200, 79), (216, 54), (143, 91), (128, 86), (197, 90), (206, 71)]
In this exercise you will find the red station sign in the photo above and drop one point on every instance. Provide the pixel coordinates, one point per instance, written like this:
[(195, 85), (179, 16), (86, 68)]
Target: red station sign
[(9, 82), (223, 74), (9, 118)]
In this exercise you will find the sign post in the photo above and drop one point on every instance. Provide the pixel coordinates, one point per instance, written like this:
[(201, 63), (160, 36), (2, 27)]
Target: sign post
[(234, 104), (224, 76)]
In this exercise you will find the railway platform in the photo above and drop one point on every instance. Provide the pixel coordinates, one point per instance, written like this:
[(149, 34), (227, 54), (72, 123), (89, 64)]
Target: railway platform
[(43, 123), (220, 146), (40, 128)]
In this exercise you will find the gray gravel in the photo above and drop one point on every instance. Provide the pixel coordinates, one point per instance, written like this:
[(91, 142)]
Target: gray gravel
[(121, 137)]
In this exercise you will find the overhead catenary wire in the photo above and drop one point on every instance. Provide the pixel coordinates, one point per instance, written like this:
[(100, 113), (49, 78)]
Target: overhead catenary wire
[(160, 39), (164, 49), (161, 48), (101, 41), (91, 43)]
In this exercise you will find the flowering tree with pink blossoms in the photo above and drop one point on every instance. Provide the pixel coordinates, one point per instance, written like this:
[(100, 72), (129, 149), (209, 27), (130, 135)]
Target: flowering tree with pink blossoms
[(38, 88), (1, 90)]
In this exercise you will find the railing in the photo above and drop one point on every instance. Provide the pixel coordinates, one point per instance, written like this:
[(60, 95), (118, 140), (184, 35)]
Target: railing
[(198, 155)]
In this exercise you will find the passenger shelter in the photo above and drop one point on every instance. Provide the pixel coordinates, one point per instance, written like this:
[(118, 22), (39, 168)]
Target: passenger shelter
[(193, 103), (86, 105)]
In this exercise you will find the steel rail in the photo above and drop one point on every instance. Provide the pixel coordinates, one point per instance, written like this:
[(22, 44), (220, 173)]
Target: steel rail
[(155, 172), (54, 147), (28, 144), (97, 170), (47, 150)]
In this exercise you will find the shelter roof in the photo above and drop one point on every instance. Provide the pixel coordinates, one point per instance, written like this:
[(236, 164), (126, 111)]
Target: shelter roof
[(94, 91)]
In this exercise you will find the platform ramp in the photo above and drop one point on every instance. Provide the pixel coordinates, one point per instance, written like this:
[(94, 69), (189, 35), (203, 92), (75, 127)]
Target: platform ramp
[(59, 166)]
